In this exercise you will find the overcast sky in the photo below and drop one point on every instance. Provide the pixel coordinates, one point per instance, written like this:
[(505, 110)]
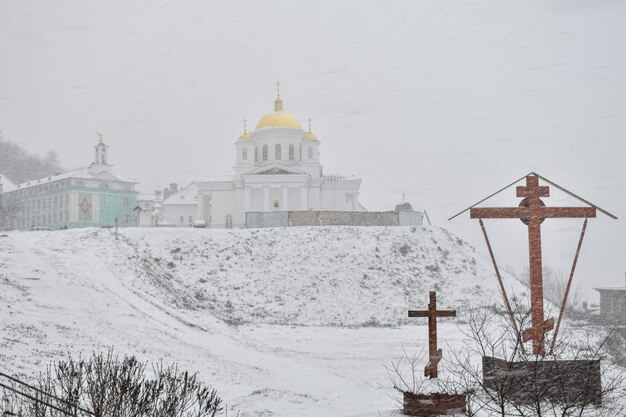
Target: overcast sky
[(445, 101)]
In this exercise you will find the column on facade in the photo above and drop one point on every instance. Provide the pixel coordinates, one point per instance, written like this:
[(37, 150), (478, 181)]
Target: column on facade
[(246, 200), (266, 199), (285, 198), (304, 198)]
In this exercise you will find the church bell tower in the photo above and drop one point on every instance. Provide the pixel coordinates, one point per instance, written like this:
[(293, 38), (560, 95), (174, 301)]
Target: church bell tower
[(101, 162)]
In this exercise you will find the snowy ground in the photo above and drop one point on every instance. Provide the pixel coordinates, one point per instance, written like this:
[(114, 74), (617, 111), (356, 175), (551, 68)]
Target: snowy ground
[(174, 294)]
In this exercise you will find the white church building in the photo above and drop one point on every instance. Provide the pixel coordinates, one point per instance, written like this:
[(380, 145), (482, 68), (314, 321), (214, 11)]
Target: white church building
[(278, 169)]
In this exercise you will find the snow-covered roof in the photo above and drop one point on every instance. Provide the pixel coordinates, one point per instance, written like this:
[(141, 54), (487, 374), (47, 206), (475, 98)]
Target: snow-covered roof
[(217, 177), (187, 195), (81, 173), (6, 183)]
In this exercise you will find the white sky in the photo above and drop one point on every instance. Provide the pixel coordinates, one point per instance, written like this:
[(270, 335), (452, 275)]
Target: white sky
[(444, 101)]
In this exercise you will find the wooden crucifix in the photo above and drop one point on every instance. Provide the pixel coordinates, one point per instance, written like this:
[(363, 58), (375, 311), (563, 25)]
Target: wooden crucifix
[(432, 313), (532, 212)]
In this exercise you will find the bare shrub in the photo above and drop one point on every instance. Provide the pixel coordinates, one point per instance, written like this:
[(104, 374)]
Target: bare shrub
[(106, 385)]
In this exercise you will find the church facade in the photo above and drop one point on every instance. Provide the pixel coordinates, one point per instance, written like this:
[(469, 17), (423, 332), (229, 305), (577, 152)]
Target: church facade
[(87, 197), (277, 169)]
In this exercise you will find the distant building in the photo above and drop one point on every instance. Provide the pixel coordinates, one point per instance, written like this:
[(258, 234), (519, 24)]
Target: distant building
[(407, 216), (613, 305), (91, 196), (181, 206)]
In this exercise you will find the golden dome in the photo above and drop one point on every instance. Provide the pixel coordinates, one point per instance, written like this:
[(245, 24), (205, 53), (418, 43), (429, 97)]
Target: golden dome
[(245, 135), (309, 135), (279, 119)]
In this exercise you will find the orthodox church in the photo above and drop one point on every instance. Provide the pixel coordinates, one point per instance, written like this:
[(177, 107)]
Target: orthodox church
[(277, 169)]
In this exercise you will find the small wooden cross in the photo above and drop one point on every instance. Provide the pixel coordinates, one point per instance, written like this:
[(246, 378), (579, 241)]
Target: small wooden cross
[(532, 212), (432, 313)]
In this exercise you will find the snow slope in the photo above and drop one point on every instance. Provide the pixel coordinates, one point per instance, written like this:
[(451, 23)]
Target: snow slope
[(303, 276), (172, 293)]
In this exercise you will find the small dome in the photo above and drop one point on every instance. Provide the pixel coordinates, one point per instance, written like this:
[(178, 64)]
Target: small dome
[(279, 119), (309, 136), (245, 136)]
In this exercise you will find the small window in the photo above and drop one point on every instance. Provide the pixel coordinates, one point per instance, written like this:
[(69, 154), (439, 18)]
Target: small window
[(277, 153), (182, 219), (190, 219), (256, 154), (300, 153), (244, 154), (276, 204), (292, 153), (265, 152), (310, 152), (229, 221)]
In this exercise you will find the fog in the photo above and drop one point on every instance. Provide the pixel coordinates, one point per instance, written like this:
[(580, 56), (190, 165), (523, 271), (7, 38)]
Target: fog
[(445, 102)]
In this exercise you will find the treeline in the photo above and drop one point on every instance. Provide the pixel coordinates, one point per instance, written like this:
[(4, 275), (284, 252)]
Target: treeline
[(20, 166)]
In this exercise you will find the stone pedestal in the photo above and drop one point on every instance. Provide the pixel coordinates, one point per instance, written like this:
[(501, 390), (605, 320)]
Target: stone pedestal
[(565, 382), (422, 405)]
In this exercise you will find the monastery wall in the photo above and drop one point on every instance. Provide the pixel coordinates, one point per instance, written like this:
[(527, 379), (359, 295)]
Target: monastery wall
[(256, 220)]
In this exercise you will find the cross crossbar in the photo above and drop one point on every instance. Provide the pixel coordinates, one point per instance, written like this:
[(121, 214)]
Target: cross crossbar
[(523, 212), (426, 313)]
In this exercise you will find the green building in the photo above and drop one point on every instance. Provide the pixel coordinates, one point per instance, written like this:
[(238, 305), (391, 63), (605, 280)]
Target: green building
[(87, 197)]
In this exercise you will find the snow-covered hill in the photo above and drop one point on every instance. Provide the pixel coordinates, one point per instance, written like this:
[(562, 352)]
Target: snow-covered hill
[(175, 293), (334, 276)]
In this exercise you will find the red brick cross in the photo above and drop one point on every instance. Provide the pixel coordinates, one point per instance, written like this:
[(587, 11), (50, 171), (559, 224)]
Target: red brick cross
[(532, 212), (432, 313)]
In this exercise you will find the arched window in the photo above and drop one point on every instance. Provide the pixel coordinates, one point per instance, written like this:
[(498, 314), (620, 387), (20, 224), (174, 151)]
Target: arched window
[(292, 153), (300, 153), (256, 154), (229, 221), (277, 152), (310, 152), (244, 154), (265, 152)]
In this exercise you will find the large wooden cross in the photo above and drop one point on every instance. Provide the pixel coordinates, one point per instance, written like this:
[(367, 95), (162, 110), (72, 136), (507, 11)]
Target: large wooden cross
[(532, 212), (434, 353)]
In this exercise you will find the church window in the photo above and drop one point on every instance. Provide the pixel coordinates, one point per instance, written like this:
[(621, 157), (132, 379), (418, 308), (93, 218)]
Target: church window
[(182, 219), (244, 154), (256, 154), (310, 152), (276, 204), (190, 219), (292, 153), (229, 221), (300, 153), (277, 153), (265, 152)]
